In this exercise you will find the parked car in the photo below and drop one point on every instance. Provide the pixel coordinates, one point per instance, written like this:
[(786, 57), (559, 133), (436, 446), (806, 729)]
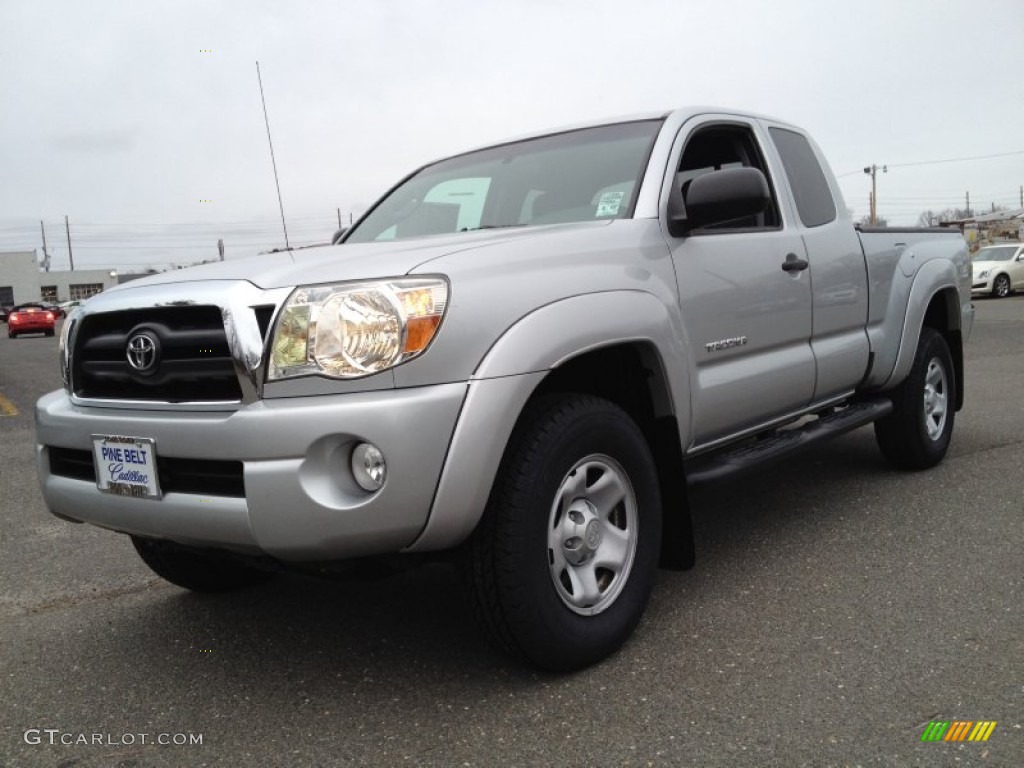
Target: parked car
[(66, 307), (518, 358), (998, 270), (30, 318)]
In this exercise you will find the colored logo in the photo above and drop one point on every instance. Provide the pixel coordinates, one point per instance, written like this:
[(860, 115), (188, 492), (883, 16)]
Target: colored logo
[(958, 730)]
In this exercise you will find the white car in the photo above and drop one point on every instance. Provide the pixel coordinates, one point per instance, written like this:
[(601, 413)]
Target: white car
[(998, 270)]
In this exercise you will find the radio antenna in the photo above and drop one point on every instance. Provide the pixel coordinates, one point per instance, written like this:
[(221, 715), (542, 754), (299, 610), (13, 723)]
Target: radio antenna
[(273, 162)]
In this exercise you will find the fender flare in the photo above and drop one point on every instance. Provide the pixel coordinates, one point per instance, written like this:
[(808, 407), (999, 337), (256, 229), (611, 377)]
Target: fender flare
[(507, 377), (932, 278)]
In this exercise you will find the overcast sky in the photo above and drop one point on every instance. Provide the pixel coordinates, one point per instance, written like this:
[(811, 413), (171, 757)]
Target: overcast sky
[(128, 116)]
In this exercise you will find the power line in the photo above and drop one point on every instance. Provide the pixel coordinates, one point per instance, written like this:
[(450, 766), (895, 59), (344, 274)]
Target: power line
[(939, 162), (937, 198), (956, 159)]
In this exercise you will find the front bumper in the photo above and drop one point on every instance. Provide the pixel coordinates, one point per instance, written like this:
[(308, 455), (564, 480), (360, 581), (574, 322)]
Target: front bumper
[(981, 286), (300, 501)]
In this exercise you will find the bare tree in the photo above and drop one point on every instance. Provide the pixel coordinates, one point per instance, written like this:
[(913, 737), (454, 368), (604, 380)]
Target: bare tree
[(865, 221), (932, 218)]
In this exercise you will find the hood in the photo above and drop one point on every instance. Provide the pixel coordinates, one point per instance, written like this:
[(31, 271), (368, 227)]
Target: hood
[(336, 263)]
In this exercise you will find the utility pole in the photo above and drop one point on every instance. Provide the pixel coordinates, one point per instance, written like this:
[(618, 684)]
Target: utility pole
[(1022, 195), (46, 254), (339, 217), (71, 256), (968, 198), (872, 171), (220, 248)]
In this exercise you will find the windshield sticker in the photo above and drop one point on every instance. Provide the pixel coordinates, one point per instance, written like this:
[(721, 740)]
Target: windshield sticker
[(609, 203)]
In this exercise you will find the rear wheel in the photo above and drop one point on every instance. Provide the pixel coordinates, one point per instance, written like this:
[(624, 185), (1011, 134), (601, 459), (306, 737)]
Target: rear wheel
[(197, 569), (916, 434), (562, 564), (1001, 287)]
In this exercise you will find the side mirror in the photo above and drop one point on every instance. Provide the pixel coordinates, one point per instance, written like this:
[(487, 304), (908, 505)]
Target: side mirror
[(717, 197), (336, 237)]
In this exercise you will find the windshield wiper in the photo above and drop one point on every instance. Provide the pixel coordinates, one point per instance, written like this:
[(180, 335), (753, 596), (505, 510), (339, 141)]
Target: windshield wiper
[(490, 226)]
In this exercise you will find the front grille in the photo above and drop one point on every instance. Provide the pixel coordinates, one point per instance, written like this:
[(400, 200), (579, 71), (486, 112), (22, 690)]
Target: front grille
[(209, 477), (193, 361)]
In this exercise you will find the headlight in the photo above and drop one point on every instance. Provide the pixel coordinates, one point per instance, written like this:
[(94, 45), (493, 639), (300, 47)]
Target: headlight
[(983, 274), (355, 329)]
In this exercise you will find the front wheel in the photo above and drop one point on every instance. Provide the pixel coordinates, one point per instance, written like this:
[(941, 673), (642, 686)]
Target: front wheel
[(916, 434), (1001, 287), (562, 564), (196, 569)]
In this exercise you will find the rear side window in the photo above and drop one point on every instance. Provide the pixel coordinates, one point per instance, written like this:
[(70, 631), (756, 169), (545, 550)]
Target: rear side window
[(814, 200)]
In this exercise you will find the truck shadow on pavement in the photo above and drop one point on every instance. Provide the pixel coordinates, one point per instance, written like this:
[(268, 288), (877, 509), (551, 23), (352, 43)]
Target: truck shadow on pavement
[(321, 636)]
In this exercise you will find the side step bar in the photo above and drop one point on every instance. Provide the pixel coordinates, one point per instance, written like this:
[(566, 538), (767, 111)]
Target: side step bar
[(732, 461)]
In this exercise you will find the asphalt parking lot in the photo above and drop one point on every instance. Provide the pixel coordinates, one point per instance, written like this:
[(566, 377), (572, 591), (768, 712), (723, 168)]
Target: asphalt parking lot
[(837, 608)]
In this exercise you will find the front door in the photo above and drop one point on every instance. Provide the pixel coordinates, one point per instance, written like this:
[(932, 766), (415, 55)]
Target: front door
[(748, 320)]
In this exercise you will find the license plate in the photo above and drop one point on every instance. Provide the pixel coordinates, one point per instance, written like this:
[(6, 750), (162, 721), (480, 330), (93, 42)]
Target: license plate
[(126, 466)]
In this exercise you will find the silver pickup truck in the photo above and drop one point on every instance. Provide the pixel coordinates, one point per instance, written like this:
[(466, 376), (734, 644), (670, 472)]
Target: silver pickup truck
[(523, 356)]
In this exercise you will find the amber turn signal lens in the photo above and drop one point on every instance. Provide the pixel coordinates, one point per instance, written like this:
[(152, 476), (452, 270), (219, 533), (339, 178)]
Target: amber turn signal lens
[(420, 330)]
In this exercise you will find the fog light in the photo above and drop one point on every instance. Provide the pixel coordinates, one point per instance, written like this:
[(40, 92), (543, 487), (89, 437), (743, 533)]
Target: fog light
[(368, 467)]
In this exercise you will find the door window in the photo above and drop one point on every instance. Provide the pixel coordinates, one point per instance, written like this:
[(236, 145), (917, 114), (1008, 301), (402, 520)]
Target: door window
[(715, 148)]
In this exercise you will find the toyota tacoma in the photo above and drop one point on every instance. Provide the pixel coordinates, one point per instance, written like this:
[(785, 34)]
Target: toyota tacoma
[(522, 356)]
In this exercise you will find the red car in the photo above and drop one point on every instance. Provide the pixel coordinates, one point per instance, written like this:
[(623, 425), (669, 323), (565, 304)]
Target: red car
[(30, 318)]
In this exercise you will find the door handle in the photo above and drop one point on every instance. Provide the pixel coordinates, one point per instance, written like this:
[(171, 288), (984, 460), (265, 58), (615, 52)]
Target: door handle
[(794, 264)]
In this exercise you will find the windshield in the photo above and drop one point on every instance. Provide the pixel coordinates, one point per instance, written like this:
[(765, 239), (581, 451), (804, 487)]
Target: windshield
[(584, 175), (1002, 253)]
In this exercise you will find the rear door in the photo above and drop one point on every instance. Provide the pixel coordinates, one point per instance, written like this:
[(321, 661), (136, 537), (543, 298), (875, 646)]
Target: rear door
[(748, 319), (839, 278)]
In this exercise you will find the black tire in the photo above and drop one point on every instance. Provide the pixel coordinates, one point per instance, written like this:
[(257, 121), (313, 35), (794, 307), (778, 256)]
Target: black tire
[(1001, 287), (197, 569), (11, 335), (511, 560), (914, 436)]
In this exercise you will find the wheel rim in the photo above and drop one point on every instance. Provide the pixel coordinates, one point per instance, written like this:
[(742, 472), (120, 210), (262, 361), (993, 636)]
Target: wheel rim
[(1002, 286), (592, 534), (936, 399)]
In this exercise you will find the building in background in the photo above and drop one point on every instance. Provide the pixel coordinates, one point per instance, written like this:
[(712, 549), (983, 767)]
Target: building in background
[(988, 228), (21, 281)]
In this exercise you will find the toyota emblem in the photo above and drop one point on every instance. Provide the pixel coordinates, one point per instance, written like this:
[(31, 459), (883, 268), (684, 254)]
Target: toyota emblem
[(142, 352)]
